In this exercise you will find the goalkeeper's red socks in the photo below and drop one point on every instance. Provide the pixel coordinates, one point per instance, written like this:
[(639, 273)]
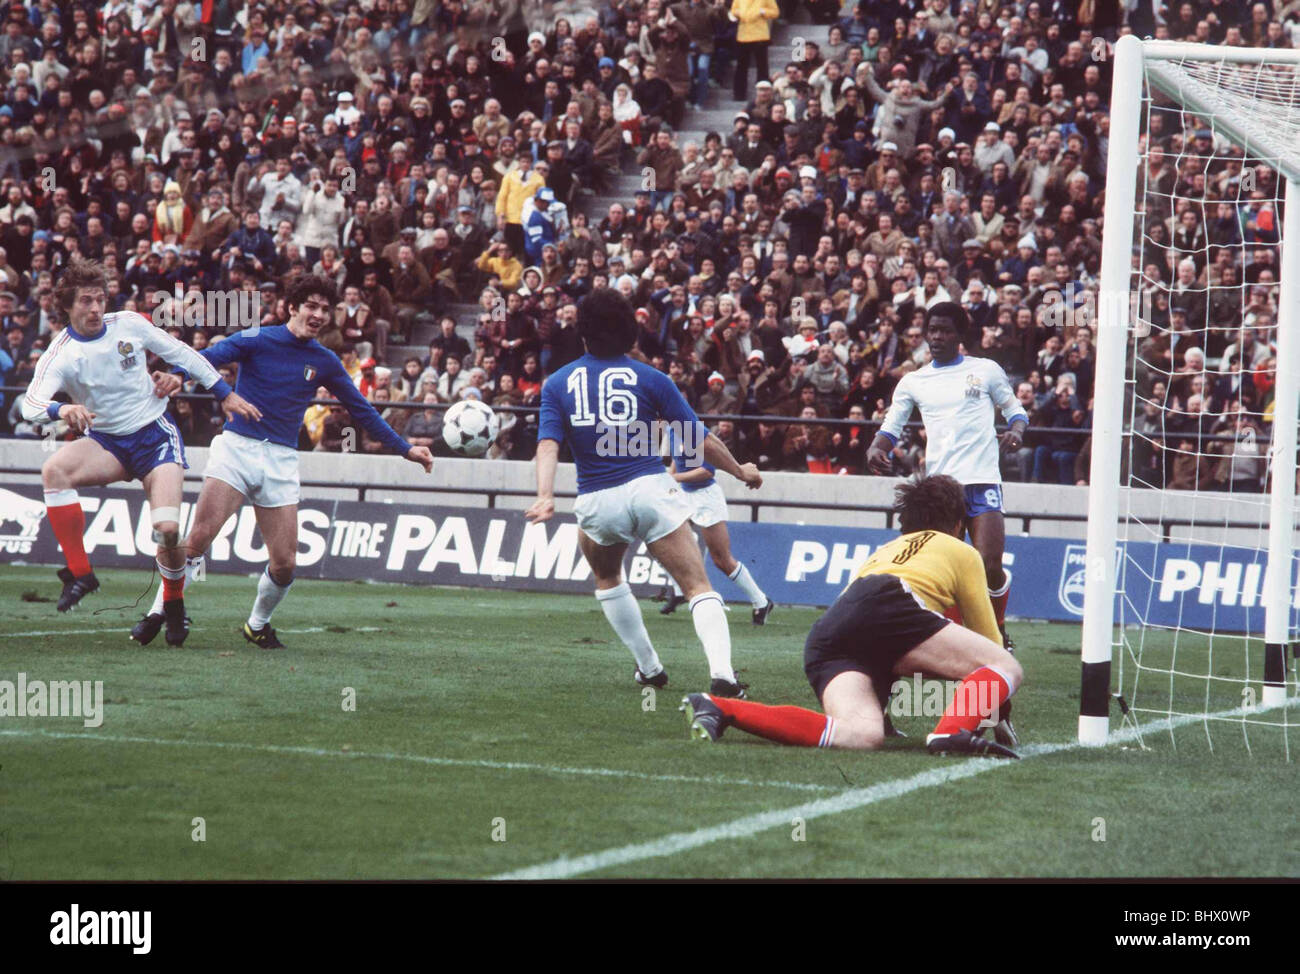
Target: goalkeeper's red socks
[(785, 725), (999, 599), (979, 697), (63, 508)]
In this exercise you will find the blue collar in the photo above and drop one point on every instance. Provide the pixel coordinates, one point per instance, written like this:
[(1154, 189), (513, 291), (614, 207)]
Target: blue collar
[(947, 365), (77, 336)]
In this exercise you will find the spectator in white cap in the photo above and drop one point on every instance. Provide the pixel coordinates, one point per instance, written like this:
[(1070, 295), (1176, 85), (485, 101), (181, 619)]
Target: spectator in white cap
[(946, 139), (1015, 269), (991, 149), (716, 400), (347, 112)]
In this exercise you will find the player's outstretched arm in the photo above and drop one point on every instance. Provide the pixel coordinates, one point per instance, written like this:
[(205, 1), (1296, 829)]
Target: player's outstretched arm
[(716, 453), (168, 384), (548, 457), (364, 413), (422, 456), (179, 355)]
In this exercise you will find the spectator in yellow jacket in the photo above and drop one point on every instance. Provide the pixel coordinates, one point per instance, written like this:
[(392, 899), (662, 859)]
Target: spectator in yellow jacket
[(753, 35), (519, 184), (499, 261)]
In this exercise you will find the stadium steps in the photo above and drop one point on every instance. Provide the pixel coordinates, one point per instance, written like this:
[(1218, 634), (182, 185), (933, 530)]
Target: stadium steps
[(623, 191), (417, 343), (716, 116)]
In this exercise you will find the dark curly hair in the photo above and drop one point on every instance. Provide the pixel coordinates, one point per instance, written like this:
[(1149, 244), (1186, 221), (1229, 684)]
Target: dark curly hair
[(311, 285), (929, 504), (606, 323)]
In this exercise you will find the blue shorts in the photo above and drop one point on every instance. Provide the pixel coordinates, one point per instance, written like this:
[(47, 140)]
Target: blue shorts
[(983, 498), (150, 446)]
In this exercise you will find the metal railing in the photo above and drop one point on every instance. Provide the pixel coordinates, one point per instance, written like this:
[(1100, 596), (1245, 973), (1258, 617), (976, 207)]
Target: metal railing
[(872, 425)]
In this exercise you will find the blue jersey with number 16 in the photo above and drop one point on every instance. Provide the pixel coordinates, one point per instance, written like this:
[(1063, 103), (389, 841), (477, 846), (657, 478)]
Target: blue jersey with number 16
[(609, 410)]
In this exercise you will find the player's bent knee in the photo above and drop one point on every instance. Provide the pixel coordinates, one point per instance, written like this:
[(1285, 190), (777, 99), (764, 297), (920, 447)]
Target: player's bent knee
[(1012, 671), (54, 476), (858, 735), (281, 572)]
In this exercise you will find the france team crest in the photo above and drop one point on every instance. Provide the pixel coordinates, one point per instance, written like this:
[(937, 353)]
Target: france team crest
[(1074, 578)]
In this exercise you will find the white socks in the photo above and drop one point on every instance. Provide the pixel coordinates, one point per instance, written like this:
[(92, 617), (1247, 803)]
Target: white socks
[(746, 582), (190, 565), (710, 618), (61, 498), (624, 614), (269, 595)]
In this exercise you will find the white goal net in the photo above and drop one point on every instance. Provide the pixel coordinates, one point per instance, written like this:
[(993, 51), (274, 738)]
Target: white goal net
[(1193, 482)]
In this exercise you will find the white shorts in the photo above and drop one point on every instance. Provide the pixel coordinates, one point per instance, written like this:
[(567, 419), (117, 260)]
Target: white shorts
[(264, 472), (644, 509), (710, 506)]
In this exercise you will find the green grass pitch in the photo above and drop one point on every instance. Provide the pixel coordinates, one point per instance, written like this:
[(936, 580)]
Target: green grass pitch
[(483, 716)]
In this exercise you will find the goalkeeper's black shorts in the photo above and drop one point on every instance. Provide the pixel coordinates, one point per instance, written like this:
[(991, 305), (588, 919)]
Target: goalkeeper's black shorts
[(873, 624)]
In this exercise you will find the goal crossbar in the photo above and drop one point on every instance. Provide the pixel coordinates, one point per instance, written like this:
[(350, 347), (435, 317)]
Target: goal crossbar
[(1249, 95)]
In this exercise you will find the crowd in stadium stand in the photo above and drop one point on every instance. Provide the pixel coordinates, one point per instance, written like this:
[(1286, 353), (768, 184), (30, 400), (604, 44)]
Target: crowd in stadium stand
[(426, 155)]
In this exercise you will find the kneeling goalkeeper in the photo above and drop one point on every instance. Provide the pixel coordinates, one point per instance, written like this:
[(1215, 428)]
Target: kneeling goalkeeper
[(889, 622)]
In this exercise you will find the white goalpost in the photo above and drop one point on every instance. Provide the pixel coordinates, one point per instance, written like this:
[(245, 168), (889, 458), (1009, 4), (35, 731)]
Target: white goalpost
[(1192, 517)]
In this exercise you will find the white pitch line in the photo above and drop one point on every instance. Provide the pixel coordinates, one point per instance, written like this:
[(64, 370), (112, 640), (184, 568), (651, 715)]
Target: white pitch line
[(743, 828), (421, 759), (108, 631)]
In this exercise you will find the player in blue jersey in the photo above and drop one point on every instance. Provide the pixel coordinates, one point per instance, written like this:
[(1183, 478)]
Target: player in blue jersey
[(611, 410), (280, 369), (710, 516)]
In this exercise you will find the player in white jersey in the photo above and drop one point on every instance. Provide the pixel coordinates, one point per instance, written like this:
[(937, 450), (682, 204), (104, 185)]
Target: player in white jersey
[(958, 396), (99, 362)]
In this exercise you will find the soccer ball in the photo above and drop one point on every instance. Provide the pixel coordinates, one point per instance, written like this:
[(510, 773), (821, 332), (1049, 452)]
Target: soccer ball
[(469, 427)]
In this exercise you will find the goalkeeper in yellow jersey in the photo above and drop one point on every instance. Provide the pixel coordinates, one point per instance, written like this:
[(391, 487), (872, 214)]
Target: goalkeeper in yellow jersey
[(888, 623)]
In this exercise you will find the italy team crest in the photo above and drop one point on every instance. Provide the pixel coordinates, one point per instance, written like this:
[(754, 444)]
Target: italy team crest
[(309, 372)]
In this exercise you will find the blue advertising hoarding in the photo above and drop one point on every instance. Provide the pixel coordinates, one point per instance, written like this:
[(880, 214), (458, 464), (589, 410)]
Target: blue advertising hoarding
[(1165, 584)]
